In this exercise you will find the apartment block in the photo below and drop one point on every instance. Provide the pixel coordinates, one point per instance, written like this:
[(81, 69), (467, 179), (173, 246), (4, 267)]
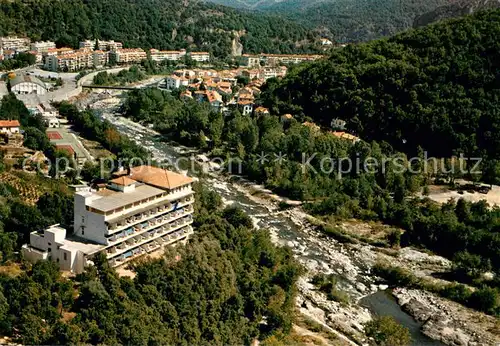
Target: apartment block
[(276, 59), (175, 82), (124, 56), (139, 211), (250, 60), (200, 56), (101, 45), (42, 46), (19, 44), (70, 62), (172, 55), (100, 58)]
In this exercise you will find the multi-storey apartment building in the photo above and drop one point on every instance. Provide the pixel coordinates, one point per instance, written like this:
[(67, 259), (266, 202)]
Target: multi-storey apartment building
[(19, 44), (101, 45), (124, 56), (42, 46), (70, 62), (100, 58), (200, 56), (250, 60), (74, 61), (140, 210), (172, 55), (275, 59)]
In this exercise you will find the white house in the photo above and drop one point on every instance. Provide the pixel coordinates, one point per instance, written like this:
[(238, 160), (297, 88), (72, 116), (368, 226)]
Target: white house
[(47, 110), (52, 244), (200, 56), (53, 123), (175, 82), (9, 126), (246, 107)]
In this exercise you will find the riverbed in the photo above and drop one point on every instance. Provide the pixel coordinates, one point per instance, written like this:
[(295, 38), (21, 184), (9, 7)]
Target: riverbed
[(351, 264)]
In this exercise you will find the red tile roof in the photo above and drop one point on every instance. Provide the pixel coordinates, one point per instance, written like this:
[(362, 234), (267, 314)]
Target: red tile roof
[(157, 177), (123, 181), (9, 123)]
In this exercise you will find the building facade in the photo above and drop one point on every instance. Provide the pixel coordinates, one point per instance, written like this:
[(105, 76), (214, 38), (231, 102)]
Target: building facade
[(172, 55), (9, 126), (125, 56), (200, 56), (42, 46), (75, 61), (139, 211), (19, 44), (101, 45), (250, 60), (175, 82), (24, 85)]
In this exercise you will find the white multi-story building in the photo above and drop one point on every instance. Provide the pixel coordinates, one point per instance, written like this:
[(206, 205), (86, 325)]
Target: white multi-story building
[(124, 56), (251, 60), (42, 46), (100, 58), (276, 59), (173, 55), (140, 211), (19, 44), (200, 56), (175, 82), (70, 62), (101, 45)]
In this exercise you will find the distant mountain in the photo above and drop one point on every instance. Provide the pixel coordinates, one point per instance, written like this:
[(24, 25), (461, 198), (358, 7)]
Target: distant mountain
[(346, 20), (269, 4), (455, 9), (361, 20)]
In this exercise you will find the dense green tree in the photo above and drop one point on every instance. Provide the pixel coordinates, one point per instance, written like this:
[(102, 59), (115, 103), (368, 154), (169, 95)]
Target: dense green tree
[(385, 331), (161, 24)]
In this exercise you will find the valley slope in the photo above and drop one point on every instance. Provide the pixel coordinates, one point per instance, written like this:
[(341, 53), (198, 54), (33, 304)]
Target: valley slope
[(346, 20), (162, 24)]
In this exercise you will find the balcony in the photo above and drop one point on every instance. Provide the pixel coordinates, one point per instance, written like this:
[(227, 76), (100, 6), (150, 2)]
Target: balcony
[(150, 246), (164, 220), (137, 217), (146, 236)]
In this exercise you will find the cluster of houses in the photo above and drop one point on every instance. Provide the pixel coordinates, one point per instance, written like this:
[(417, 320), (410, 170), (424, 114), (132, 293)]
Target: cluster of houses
[(90, 54), (219, 88)]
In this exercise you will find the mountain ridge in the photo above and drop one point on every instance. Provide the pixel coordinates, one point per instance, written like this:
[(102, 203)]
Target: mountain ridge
[(455, 9), (346, 20)]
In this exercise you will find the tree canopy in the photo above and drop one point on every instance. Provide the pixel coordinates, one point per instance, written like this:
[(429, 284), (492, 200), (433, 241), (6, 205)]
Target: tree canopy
[(161, 24)]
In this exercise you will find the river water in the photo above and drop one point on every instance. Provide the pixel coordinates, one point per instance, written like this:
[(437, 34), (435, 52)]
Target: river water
[(312, 252)]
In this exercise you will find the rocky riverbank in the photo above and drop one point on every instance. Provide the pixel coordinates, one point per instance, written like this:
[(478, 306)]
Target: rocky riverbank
[(442, 320), (352, 262)]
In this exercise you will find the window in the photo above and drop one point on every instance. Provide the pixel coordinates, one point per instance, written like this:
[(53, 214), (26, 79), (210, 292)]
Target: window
[(50, 244), (49, 250), (65, 255)]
